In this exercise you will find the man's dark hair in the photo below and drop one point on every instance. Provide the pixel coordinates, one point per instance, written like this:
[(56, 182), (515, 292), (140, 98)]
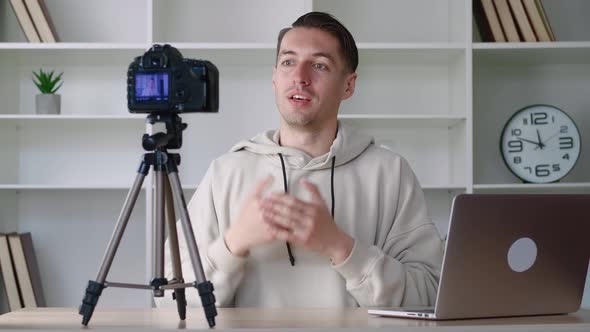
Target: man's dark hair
[(330, 24)]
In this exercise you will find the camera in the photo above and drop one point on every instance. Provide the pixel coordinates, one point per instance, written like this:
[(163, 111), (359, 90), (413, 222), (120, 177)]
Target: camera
[(162, 81)]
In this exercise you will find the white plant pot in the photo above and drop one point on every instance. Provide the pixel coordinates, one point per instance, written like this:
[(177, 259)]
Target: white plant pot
[(48, 103)]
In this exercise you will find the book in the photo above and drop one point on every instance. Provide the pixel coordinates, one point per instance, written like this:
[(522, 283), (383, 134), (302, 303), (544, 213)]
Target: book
[(42, 20), (8, 275), (27, 269), (545, 19), (25, 21), (507, 21), (522, 20), (487, 21), (539, 21)]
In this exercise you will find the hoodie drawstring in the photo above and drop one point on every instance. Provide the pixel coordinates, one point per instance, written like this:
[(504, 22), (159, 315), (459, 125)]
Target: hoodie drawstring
[(291, 257)]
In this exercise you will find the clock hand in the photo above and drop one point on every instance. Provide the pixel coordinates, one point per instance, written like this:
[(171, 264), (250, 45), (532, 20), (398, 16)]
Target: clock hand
[(541, 145), (528, 141), (549, 139)]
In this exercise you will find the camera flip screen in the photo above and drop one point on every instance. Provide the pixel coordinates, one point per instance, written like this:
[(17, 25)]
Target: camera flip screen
[(151, 87)]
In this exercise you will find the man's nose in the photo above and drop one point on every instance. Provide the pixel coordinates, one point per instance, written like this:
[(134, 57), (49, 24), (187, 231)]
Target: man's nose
[(301, 74)]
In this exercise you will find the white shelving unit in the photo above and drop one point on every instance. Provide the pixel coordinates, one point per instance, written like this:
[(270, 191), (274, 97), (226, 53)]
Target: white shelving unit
[(534, 187), (426, 89)]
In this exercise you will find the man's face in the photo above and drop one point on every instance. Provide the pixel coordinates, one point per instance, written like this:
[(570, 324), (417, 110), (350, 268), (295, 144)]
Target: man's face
[(311, 77)]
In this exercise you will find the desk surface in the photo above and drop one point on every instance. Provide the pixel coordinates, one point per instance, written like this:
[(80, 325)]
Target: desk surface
[(250, 318)]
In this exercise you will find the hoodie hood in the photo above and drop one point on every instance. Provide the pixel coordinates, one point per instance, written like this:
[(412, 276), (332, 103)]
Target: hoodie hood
[(349, 144)]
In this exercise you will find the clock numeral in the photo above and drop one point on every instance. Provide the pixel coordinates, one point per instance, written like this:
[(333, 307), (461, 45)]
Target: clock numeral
[(563, 129), (517, 160), (515, 146), (529, 169), (566, 156), (539, 118), (516, 132), (553, 118), (566, 143), (556, 168), (542, 170)]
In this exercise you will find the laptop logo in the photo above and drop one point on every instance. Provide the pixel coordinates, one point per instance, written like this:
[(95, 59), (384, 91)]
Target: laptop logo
[(522, 254)]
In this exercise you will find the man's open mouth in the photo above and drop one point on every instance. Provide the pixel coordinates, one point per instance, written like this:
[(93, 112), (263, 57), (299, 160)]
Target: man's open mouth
[(297, 97)]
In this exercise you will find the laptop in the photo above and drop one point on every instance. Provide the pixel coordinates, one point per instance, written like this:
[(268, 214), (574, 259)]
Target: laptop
[(511, 255)]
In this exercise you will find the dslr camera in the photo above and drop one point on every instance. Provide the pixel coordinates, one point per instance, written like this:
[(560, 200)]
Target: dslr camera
[(162, 81)]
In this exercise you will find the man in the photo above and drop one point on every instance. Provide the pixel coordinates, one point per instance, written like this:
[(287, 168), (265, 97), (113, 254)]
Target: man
[(149, 90), (352, 214)]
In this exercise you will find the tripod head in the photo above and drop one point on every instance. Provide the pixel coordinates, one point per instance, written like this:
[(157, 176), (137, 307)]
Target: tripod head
[(172, 139)]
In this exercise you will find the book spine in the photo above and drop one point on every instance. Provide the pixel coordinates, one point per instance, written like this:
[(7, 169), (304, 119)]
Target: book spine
[(482, 22), (41, 19), (9, 275), (22, 271), (522, 20), (541, 10), (536, 20), (25, 21), (507, 20), (33, 267), (493, 20)]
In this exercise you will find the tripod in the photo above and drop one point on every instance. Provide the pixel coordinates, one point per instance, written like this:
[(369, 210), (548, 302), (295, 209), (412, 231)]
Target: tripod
[(168, 191)]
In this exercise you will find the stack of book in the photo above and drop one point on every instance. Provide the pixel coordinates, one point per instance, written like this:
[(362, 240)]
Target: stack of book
[(512, 21), (20, 272), (34, 20)]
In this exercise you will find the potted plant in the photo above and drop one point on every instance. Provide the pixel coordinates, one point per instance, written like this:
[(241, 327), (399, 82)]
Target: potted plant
[(48, 102)]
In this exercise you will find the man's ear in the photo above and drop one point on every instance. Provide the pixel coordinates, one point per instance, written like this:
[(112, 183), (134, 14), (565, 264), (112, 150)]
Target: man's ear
[(350, 85)]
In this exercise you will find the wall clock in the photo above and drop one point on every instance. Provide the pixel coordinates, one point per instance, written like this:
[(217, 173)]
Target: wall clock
[(540, 144)]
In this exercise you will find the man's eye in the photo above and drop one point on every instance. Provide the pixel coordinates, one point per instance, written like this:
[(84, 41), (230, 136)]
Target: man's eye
[(320, 66), (287, 62)]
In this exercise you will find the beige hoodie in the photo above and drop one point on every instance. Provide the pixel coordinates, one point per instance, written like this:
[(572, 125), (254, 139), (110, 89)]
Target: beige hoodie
[(396, 257)]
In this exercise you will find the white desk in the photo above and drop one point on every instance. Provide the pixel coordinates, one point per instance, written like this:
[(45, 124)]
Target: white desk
[(290, 319)]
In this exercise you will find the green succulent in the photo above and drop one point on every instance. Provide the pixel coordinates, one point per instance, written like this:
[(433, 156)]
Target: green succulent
[(46, 82)]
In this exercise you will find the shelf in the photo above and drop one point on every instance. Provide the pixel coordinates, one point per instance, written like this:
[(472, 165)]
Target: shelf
[(218, 46), (223, 46), (433, 53), (545, 53), (27, 117), (62, 187), (82, 54), (532, 186), (450, 187), (442, 46), (395, 120), (410, 53), (73, 46), (537, 45), (228, 53)]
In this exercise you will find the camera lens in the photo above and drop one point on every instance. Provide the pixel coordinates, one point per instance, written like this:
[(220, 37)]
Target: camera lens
[(156, 61)]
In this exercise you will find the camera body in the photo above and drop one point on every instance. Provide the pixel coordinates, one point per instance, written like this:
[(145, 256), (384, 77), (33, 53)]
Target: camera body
[(162, 81)]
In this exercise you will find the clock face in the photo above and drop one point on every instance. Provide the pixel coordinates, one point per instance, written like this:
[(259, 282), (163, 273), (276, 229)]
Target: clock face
[(540, 144)]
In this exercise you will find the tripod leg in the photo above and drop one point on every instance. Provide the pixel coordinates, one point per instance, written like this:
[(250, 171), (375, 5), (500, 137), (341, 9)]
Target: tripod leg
[(179, 293), (204, 287), (158, 235), (94, 289)]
